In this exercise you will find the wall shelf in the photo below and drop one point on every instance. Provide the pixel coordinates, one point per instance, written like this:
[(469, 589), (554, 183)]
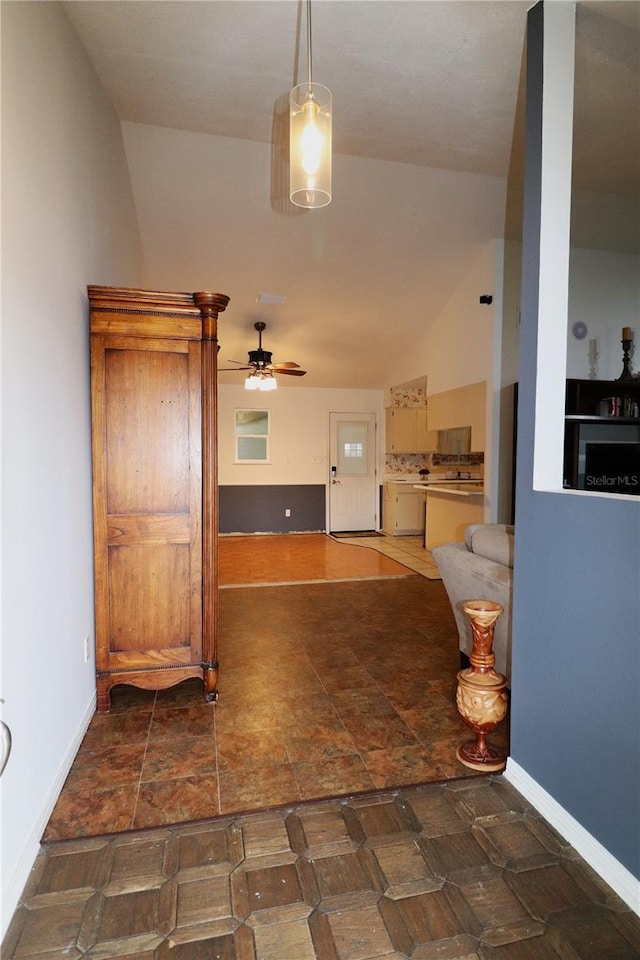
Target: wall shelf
[(617, 435)]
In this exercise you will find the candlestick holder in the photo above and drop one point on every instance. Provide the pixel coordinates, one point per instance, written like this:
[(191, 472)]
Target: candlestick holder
[(593, 359), (626, 352), (480, 696)]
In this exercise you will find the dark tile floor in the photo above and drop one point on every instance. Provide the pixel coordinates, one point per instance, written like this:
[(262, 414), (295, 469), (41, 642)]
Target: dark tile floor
[(342, 691), (325, 689), (451, 871)]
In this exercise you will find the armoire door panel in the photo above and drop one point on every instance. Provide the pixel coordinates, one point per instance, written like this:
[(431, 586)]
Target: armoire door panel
[(147, 499), (149, 597), (147, 432)]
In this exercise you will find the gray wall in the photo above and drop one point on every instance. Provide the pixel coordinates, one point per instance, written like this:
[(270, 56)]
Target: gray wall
[(576, 652), (261, 509)]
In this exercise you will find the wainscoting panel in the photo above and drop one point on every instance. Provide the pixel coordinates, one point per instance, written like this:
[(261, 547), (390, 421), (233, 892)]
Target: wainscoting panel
[(261, 509)]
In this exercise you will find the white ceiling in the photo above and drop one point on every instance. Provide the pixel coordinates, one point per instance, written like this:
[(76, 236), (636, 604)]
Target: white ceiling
[(431, 83)]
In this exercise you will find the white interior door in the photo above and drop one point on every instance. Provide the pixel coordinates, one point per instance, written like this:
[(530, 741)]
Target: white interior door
[(353, 487)]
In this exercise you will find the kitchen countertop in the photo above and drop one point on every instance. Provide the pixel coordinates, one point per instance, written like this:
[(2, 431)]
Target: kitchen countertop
[(402, 478), (457, 488), (430, 479)]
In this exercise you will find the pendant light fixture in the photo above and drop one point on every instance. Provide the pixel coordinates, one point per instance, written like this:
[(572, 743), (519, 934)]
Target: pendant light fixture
[(310, 139)]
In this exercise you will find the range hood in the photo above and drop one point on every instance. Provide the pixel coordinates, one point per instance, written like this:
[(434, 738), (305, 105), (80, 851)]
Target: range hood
[(456, 440)]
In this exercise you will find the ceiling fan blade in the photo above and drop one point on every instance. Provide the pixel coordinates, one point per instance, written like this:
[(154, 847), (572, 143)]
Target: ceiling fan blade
[(291, 373), (233, 369), (285, 365)]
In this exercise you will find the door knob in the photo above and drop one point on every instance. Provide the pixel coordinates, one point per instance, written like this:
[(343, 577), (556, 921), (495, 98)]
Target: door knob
[(5, 745)]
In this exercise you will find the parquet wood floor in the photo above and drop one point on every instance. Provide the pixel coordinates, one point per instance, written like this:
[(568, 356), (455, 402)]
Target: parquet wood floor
[(464, 870), (299, 557)]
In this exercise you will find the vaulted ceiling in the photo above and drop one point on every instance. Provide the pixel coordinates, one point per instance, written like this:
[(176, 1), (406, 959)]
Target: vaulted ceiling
[(420, 88)]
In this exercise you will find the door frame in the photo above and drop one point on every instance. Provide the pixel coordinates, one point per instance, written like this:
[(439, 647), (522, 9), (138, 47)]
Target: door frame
[(376, 461)]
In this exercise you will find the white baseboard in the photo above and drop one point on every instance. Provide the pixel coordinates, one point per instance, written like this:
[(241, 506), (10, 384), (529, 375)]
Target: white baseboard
[(621, 880), (15, 885)]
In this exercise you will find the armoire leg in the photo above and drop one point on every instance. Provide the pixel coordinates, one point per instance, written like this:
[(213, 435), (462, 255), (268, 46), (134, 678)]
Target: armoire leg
[(210, 677), (104, 694)]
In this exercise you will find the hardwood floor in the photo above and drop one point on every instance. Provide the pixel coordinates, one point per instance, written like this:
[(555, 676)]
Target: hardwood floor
[(314, 556)]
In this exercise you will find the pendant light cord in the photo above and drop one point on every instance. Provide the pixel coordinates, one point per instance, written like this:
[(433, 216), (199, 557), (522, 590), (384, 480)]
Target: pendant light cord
[(309, 42)]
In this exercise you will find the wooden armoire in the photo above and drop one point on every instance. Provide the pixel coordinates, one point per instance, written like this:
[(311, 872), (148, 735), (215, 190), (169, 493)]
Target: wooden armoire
[(153, 398)]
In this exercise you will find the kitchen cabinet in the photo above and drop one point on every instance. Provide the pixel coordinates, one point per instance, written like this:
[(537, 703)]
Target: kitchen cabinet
[(406, 431), (461, 407), (402, 510), (449, 512), (153, 400)]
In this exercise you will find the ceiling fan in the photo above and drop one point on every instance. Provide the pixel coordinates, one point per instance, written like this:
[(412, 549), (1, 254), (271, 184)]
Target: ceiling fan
[(260, 362)]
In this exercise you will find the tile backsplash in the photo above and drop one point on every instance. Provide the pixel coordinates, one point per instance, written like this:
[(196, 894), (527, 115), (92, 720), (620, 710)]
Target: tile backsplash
[(406, 462), (412, 394), (415, 462)]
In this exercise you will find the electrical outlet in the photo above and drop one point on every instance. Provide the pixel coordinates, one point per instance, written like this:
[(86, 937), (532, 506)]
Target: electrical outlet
[(287, 512), (87, 649)]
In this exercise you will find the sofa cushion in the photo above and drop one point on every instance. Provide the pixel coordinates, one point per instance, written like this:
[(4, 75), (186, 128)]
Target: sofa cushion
[(493, 541)]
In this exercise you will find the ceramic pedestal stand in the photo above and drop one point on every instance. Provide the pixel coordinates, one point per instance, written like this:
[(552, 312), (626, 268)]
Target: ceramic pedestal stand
[(481, 697)]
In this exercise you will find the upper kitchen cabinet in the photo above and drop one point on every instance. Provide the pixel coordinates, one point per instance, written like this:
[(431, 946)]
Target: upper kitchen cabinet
[(407, 431), (461, 407)]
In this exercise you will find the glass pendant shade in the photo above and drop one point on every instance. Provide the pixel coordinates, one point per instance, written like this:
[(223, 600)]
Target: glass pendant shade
[(310, 145)]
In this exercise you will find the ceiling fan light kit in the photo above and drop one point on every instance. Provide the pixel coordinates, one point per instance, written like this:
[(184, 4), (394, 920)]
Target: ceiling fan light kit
[(261, 381), (310, 139), (263, 371)]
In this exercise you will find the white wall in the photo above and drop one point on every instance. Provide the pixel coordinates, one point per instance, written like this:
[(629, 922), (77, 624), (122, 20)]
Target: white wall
[(604, 293), (299, 431), (67, 220), (455, 346), (507, 377)]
